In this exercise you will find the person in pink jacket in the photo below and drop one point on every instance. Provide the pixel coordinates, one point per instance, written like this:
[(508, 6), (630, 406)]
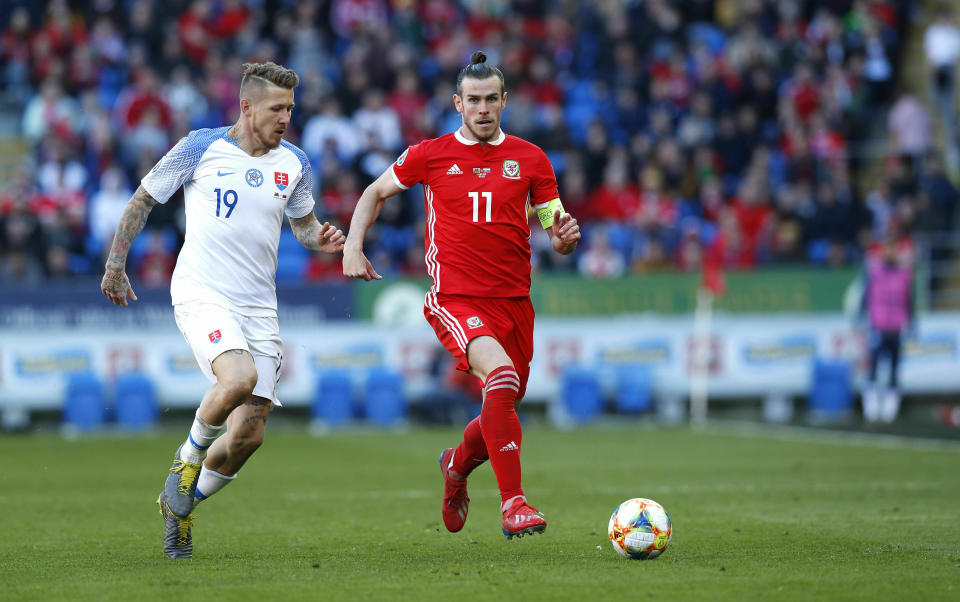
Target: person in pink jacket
[(888, 308)]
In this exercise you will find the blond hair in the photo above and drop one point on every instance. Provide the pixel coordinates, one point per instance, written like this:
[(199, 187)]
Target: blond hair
[(258, 75)]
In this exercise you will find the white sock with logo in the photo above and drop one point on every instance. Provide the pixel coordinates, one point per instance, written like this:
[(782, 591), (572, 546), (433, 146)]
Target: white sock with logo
[(209, 483), (201, 437)]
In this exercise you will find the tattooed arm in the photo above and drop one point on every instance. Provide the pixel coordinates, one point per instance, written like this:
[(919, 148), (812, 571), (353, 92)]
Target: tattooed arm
[(311, 234), (115, 284)]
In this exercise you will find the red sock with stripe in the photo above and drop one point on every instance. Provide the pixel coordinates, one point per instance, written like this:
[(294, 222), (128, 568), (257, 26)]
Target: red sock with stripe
[(472, 451), (501, 429)]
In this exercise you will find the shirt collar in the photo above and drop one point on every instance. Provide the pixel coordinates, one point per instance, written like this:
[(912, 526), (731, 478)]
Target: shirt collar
[(497, 142)]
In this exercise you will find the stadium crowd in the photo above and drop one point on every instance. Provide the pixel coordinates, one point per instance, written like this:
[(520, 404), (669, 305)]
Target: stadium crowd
[(677, 129)]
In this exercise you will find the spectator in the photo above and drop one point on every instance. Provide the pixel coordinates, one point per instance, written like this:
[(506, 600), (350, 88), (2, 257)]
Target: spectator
[(599, 259), (909, 125), (377, 122), (107, 205), (331, 132), (941, 193), (941, 45), (51, 112)]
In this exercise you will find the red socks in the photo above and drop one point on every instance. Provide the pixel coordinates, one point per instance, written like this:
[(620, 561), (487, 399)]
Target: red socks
[(501, 430), (472, 452)]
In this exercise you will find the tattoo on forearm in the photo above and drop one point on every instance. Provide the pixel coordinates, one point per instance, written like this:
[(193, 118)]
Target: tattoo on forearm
[(132, 221), (307, 231)]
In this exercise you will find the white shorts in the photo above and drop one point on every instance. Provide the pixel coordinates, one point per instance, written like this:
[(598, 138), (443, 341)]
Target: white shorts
[(211, 329)]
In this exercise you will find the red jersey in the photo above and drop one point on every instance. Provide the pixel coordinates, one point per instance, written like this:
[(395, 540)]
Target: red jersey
[(478, 238)]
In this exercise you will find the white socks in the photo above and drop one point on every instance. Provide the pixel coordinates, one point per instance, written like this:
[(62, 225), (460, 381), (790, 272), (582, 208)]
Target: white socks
[(209, 483), (890, 406), (871, 403), (201, 437), (879, 405)]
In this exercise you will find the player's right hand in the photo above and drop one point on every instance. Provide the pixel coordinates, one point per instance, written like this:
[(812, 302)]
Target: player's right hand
[(356, 265), (116, 286)]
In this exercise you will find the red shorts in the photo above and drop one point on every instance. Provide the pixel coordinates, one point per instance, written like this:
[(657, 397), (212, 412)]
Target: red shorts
[(458, 319)]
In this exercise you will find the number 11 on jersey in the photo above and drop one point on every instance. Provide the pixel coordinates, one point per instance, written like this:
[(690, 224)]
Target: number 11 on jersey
[(488, 201)]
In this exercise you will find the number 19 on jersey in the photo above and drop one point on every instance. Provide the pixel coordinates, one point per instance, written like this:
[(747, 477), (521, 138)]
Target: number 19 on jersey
[(230, 204)]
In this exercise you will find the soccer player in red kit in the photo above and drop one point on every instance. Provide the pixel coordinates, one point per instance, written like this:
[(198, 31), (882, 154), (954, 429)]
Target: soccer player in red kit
[(477, 185)]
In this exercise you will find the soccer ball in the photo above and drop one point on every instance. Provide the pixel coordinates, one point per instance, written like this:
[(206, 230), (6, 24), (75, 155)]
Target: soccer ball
[(640, 528)]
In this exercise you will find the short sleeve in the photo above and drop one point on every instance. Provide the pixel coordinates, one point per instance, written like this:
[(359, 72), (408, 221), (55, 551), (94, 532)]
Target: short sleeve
[(178, 165), (410, 167), (301, 199), (543, 185)]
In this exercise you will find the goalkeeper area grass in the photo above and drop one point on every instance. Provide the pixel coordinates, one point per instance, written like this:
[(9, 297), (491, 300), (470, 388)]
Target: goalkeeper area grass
[(758, 514)]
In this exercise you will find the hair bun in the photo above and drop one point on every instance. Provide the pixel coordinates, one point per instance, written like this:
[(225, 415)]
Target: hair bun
[(478, 57)]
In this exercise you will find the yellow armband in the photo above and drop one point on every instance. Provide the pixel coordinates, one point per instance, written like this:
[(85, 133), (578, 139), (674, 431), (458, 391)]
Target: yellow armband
[(545, 214)]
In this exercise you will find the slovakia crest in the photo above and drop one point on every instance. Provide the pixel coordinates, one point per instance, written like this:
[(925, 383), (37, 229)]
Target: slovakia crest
[(281, 179), (511, 169), (254, 178), (215, 336)]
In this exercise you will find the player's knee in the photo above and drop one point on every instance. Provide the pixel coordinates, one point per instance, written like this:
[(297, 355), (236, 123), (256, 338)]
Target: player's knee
[(238, 387), (484, 372)]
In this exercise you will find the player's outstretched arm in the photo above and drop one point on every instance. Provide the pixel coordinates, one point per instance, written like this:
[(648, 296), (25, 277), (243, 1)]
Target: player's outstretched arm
[(115, 284), (315, 236), (564, 233), (355, 263)]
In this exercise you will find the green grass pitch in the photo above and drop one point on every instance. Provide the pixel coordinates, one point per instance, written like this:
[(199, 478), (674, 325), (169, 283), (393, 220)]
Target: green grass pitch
[(758, 515)]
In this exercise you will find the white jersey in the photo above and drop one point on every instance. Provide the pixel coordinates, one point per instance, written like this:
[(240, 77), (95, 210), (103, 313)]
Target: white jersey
[(234, 205)]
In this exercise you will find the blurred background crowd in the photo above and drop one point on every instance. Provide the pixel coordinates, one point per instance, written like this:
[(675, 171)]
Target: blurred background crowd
[(742, 130)]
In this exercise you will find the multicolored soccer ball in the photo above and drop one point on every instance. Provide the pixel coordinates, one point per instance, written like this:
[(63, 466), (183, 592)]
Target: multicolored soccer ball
[(640, 528)]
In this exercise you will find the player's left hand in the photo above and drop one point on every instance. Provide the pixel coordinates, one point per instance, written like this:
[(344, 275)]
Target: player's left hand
[(566, 232), (330, 238)]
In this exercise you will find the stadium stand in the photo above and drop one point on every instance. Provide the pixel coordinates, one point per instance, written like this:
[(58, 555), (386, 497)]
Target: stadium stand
[(677, 130)]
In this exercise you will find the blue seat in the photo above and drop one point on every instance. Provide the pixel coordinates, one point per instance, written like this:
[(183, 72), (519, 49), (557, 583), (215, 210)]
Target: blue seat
[(135, 401), (633, 389), (581, 394), (333, 401), (384, 402), (84, 407), (831, 392)]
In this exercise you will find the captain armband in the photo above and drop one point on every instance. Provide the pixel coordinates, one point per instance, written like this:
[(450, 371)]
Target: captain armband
[(545, 214)]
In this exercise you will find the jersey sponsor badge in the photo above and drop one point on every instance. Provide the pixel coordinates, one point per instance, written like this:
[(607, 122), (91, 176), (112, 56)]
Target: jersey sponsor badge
[(402, 157), (254, 178), (511, 169), (474, 322), (215, 336), (481, 172), (281, 179)]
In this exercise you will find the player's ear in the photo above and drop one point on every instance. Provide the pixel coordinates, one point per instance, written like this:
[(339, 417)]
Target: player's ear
[(458, 103), (503, 100), (245, 106)]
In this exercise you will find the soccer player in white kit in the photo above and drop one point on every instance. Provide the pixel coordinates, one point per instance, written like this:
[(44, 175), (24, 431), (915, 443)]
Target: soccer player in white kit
[(238, 182)]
